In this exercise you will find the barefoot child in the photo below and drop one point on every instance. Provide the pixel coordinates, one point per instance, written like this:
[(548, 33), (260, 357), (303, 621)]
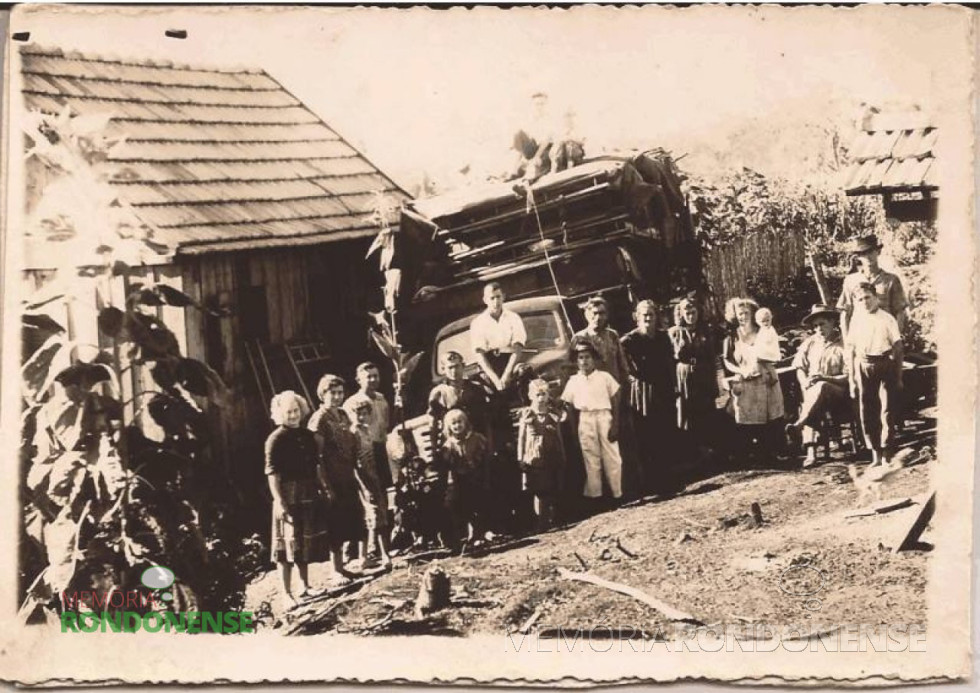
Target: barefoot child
[(373, 494), (337, 445), (466, 456), (541, 453)]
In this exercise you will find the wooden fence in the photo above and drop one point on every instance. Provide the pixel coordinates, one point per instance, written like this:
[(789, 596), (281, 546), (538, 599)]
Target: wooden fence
[(777, 257)]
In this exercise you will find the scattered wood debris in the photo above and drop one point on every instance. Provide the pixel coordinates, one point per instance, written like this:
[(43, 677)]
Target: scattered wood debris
[(624, 550), (665, 609), (682, 538), (313, 623), (882, 508), (529, 623), (911, 539)]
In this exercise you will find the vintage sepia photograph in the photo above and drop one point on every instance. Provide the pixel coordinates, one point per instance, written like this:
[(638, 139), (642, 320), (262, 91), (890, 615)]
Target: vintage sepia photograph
[(363, 336)]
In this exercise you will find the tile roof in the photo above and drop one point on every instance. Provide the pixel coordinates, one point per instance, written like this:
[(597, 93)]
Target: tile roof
[(893, 153), (215, 160)]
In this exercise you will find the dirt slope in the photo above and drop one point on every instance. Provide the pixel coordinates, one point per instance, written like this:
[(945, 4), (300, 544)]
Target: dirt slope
[(700, 552)]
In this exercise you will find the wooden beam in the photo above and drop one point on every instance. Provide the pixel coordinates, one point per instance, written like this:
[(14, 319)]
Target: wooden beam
[(640, 596), (911, 539)]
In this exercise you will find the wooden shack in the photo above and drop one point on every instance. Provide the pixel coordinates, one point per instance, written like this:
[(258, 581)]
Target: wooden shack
[(267, 212), (893, 157)]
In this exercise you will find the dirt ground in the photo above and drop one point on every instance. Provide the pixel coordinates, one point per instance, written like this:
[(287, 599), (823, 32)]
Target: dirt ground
[(700, 552)]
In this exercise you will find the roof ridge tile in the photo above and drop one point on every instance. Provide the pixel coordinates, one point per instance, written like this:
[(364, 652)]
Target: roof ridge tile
[(160, 63), (115, 80)]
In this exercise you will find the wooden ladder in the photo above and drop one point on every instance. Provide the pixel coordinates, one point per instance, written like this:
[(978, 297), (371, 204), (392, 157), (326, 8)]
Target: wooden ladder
[(259, 363), (263, 360), (299, 354)]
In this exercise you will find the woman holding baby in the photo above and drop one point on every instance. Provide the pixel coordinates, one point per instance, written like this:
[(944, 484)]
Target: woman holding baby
[(750, 354)]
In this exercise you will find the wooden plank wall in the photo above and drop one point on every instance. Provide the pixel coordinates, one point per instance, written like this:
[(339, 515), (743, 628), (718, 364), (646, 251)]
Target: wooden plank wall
[(778, 256), (211, 281), (310, 293)]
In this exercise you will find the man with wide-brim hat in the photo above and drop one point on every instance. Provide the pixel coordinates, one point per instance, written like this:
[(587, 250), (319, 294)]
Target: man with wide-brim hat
[(821, 368), (888, 287)]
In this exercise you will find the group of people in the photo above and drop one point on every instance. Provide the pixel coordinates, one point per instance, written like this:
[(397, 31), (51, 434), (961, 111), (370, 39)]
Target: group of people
[(329, 479), (634, 408)]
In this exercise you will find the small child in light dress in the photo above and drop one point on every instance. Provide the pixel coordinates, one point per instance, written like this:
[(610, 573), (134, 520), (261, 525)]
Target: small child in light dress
[(767, 341)]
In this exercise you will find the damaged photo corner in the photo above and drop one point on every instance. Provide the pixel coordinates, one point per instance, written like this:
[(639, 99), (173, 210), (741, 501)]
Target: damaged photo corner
[(514, 346)]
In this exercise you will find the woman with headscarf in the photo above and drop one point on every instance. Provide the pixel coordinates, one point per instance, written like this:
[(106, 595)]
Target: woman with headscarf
[(695, 355), (651, 387)]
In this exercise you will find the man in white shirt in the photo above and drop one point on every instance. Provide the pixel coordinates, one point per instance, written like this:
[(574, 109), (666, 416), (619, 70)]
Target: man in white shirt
[(497, 336), (875, 348)]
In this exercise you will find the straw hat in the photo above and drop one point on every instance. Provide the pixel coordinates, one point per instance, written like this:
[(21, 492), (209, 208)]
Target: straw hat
[(819, 310), (863, 244)]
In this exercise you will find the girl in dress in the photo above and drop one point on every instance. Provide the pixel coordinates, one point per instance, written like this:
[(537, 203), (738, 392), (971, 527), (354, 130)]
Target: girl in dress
[(695, 355), (337, 447), (541, 453)]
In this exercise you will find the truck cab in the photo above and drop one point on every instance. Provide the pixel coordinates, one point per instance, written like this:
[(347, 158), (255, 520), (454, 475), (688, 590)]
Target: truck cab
[(549, 337)]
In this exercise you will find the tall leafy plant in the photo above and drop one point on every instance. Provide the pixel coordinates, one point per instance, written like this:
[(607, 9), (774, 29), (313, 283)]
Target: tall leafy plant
[(383, 330), (111, 465)]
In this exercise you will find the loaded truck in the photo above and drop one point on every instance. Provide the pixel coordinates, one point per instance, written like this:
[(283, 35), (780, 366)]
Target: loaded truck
[(615, 226)]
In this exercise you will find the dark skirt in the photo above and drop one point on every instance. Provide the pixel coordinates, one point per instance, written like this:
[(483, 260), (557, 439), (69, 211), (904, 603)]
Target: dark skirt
[(345, 517), (543, 480), (697, 389), (304, 540)]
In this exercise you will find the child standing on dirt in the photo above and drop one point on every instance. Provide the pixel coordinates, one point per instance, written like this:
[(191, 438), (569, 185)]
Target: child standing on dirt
[(466, 456), (875, 351), (541, 453), (594, 394), (373, 494)]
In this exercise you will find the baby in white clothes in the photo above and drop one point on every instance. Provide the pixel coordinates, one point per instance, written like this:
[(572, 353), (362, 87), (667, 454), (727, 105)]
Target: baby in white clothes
[(767, 341)]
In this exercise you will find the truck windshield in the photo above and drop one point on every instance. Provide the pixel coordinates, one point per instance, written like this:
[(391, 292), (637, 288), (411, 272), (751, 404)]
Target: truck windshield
[(543, 332)]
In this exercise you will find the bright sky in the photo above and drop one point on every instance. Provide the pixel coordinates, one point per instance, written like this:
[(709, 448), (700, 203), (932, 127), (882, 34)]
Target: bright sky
[(421, 90)]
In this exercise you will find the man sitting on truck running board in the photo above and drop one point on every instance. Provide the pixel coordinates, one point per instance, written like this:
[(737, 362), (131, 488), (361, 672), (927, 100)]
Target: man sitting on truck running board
[(497, 336)]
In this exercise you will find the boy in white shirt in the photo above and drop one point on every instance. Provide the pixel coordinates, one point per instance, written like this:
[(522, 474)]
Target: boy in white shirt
[(875, 348), (594, 394)]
